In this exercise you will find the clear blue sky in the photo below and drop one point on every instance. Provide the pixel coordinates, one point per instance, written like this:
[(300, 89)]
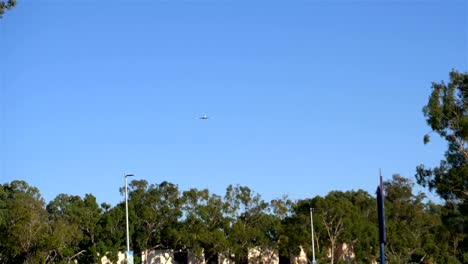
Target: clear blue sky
[(305, 96)]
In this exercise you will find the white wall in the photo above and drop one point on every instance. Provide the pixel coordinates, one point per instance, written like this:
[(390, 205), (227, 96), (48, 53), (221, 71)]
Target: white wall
[(258, 255), (160, 256), (120, 260)]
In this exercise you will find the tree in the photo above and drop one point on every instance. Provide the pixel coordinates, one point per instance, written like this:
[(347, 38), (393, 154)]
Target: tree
[(447, 114), (111, 231), (295, 232), (250, 224), (63, 240), (154, 210), (411, 224), (81, 215), (335, 214), (450, 234), (25, 225), (6, 6), (204, 228), (361, 233)]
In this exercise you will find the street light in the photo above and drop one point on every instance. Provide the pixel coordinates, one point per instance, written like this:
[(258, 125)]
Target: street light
[(126, 212), (312, 229)]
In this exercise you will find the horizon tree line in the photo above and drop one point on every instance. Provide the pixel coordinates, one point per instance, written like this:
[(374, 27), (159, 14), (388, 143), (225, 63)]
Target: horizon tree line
[(71, 227), (161, 216)]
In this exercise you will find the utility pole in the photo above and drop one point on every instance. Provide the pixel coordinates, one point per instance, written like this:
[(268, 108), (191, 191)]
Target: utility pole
[(312, 231), (129, 254)]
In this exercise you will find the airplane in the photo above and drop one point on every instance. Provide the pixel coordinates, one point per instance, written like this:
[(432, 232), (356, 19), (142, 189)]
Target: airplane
[(204, 117)]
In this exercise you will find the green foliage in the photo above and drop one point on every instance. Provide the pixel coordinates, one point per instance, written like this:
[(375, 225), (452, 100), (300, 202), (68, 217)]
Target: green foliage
[(204, 227), (447, 115), (73, 228), (6, 5), (110, 232), (250, 225), (341, 219), (411, 224), (77, 219), (25, 225), (153, 211)]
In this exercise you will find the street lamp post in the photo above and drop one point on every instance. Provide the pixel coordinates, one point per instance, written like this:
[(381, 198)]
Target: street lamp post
[(126, 211), (312, 231)]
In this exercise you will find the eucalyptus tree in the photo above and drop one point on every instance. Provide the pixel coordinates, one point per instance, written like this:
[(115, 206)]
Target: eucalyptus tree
[(268, 243), (295, 232), (65, 232), (281, 210), (191, 227), (111, 232), (204, 227), (411, 224), (24, 224), (335, 215), (345, 228), (250, 222), (446, 113), (154, 210), (82, 215), (6, 5), (362, 229)]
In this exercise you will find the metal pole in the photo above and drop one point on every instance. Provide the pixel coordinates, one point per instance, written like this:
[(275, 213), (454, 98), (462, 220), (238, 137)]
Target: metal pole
[(126, 210), (126, 213), (381, 217), (312, 231), (382, 253)]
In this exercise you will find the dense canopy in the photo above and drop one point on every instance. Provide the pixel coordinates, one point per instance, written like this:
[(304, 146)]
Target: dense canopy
[(162, 216)]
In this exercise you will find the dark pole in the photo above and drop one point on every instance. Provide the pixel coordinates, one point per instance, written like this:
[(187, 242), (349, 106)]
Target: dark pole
[(381, 215)]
